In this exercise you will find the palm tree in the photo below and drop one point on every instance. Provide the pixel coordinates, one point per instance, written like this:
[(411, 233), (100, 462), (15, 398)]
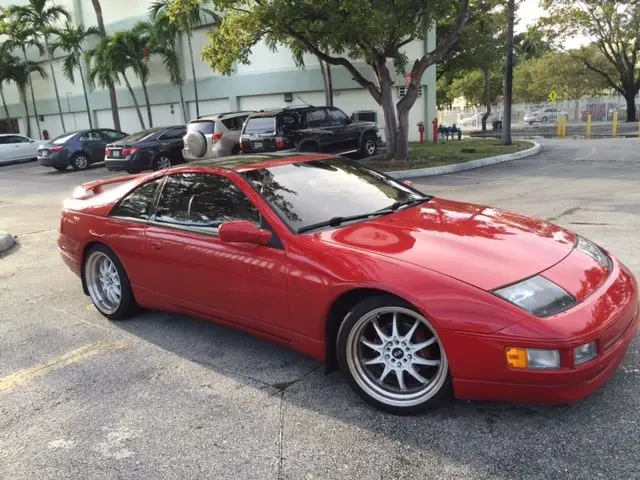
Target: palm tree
[(41, 16), (71, 40), (21, 35), (136, 42), (110, 85), (185, 20), (110, 57), (162, 37), (20, 74), (8, 63)]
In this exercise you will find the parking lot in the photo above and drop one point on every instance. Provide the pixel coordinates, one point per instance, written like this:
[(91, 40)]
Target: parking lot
[(164, 396)]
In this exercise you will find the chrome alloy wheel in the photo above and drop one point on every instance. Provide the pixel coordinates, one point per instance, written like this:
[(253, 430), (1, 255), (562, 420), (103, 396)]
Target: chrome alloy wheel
[(396, 357), (103, 282), (163, 162), (370, 146)]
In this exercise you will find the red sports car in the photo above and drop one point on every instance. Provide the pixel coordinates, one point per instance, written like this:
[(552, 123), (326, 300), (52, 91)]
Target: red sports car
[(413, 297)]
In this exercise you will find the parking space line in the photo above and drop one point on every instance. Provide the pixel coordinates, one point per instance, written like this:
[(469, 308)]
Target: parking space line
[(22, 376)]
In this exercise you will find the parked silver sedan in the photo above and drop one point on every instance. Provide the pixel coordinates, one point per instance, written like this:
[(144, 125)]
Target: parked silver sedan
[(14, 147)]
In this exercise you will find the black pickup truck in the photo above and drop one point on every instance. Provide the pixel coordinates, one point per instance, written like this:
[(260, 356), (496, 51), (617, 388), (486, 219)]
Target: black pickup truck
[(308, 129)]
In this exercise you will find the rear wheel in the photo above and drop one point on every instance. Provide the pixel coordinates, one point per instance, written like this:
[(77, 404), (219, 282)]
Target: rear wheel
[(134, 170), (161, 162), (108, 284), (392, 356), (544, 119), (80, 162)]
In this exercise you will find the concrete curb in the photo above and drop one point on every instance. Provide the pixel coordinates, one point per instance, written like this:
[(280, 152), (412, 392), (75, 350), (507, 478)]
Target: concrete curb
[(459, 167), (6, 241)]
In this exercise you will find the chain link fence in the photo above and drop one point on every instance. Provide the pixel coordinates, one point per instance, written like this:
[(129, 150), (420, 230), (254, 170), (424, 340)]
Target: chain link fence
[(601, 109)]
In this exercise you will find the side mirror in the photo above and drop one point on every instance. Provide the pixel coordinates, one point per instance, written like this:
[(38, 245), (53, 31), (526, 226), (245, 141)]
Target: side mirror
[(408, 183), (242, 231)]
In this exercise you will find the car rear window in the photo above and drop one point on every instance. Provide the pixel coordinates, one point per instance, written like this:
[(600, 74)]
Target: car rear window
[(136, 137), (203, 126), (62, 138), (259, 125)]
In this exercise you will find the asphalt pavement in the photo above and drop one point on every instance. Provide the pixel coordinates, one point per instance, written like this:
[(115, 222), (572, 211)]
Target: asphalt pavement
[(164, 396)]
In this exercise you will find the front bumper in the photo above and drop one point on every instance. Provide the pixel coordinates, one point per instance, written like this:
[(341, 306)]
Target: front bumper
[(610, 317)]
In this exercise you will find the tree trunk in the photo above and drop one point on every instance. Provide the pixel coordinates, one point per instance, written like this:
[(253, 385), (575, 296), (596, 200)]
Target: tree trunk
[(146, 99), (325, 82), (33, 96), (193, 74), (630, 98), (184, 108), (4, 102), (23, 97), (55, 83), (508, 77), (330, 84), (86, 97), (112, 87), (135, 101), (487, 100)]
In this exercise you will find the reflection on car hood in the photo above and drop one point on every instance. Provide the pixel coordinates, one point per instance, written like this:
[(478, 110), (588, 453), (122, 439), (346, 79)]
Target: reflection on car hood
[(482, 246)]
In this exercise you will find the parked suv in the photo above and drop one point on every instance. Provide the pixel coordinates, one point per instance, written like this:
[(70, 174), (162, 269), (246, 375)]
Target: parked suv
[(213, 136), (308, 129)]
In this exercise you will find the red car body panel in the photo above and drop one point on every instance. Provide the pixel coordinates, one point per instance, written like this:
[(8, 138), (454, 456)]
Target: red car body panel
[(444, 257)]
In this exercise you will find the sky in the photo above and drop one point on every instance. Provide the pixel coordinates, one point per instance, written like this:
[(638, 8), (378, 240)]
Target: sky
[(530, 11)]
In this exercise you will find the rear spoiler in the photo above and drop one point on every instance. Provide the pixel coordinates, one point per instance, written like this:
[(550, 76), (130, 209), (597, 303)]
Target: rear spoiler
[(90, 189)]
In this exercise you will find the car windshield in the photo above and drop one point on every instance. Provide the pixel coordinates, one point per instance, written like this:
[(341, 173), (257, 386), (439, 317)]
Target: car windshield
[(62, 138), (309, 193), (136, 137), (258, 125)]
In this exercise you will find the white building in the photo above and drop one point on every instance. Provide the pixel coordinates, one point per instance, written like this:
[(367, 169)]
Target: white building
[(260, 85)]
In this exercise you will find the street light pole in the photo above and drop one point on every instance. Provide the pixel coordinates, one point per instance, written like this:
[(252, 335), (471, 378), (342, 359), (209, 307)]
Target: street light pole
[(508, 76)]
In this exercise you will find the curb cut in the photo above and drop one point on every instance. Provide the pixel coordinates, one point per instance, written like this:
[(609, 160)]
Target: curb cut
[(6, 241), (459, 167)]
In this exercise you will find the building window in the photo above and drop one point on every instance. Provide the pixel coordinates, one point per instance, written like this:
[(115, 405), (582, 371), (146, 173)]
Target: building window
[(402, 91)]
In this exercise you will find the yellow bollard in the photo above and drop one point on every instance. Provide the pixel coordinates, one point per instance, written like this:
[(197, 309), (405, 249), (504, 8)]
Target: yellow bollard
[(614, 132), (588, 126), (559, 127), (565, 120)]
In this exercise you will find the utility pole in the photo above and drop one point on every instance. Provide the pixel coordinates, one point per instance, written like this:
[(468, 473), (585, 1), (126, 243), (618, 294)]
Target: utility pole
[(508, 76)]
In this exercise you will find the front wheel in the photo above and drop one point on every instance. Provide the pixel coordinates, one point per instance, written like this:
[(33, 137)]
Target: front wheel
[(392, 356), (108, 284), (369, 145)]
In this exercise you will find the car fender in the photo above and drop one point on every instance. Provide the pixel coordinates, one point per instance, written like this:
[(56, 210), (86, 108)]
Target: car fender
[(373, 131)]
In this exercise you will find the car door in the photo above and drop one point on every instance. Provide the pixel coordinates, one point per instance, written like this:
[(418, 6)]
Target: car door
[(317, 119), (347, 134), (6, 149), (197, 272), (93, 143), (172, 143), (24, 147)]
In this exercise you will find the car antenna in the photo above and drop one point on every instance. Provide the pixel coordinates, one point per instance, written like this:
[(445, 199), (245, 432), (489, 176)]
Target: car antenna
[(302, 100)]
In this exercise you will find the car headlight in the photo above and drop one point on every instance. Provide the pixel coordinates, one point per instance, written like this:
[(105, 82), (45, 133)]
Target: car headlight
[(594, 251), (533, 358), (538, 296), (584, 353)]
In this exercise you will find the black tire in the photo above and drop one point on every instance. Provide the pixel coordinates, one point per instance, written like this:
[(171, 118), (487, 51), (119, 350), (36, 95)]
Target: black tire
[(127, 305), (134, 170), (440, 392), (60, 169), (162, 161), (544, 119), (369, 145), (80, 161), (235, 150)]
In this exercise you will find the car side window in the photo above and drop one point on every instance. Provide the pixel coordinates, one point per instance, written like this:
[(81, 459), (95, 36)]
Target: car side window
[(90, 137), (17, 139), (112, 134), (203, 201), (317, 117), (174, 133), (139, 203), (338, 117)]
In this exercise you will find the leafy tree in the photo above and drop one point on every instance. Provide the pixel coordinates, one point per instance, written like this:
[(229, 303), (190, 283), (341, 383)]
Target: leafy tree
[(613, 26), (109, 83), (134, 44), (8, 63), (531, 44), (186, 15), (71, 40), (474, 87), (109, 61), (19, 72), (41, 15), (22, 35), (343, 32)]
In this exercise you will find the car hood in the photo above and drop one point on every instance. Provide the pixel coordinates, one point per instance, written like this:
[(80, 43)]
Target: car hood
[(483, 246)]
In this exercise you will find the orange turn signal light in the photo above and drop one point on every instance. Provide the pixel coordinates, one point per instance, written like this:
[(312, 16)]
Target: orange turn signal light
[(517, 357)]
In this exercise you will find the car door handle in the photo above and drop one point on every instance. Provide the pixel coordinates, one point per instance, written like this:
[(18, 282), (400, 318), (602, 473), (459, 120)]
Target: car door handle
[(156, 245)]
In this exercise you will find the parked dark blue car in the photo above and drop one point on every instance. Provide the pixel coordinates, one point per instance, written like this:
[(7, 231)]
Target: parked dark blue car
[(152, 149), (77, 149)]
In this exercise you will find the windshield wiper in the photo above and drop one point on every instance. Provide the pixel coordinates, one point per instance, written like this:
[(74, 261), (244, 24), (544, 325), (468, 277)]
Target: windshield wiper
[(336, 221), (396, 205)]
